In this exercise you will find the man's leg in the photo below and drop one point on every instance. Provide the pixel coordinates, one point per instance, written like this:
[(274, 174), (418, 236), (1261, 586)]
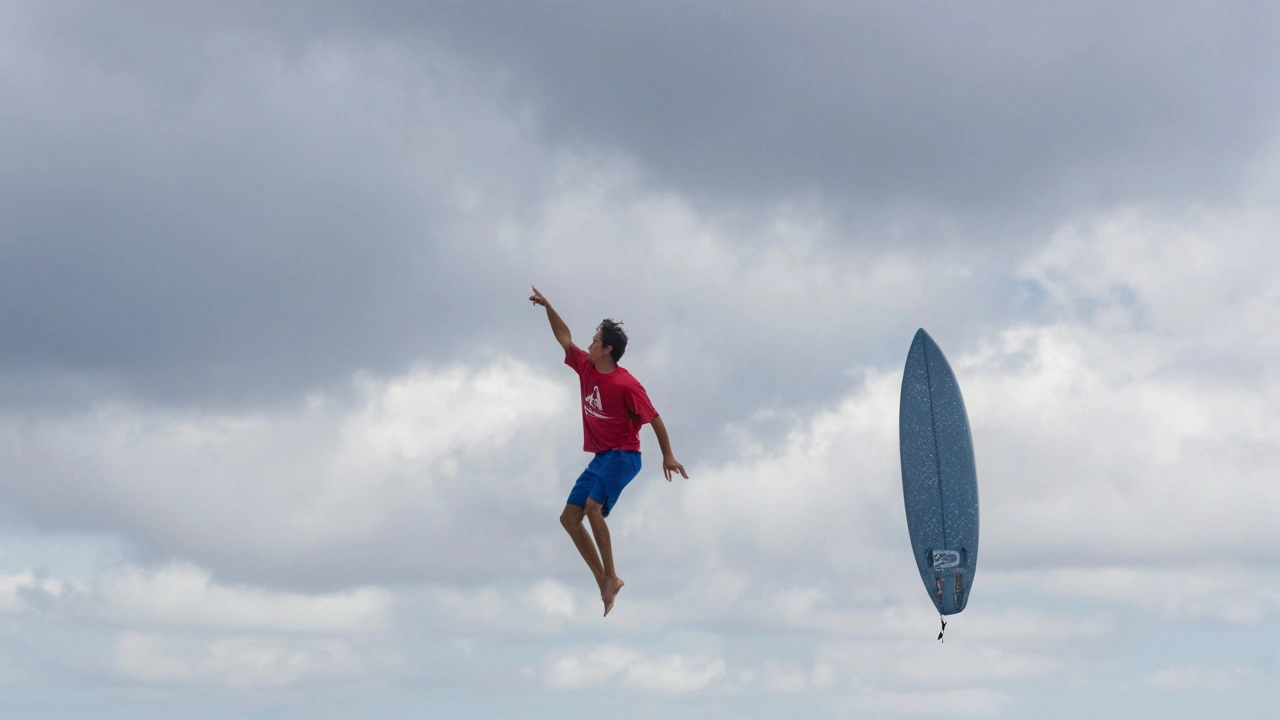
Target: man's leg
[(610, 583), (571, 519)]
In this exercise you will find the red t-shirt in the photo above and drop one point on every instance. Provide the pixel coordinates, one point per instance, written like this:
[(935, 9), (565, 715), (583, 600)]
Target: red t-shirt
[(614, 405)]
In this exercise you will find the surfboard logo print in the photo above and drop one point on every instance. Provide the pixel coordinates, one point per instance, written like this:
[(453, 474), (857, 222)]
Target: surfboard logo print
[(945, 559), (592, 406)]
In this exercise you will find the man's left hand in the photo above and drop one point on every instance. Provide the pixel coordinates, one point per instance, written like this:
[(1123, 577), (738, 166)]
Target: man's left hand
[(669, 465)]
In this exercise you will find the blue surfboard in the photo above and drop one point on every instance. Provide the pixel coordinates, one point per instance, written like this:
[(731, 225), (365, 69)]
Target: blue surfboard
[(939, 477)]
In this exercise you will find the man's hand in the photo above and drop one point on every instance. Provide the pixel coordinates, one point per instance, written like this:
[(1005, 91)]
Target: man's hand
[(669, 465), (558, 327)]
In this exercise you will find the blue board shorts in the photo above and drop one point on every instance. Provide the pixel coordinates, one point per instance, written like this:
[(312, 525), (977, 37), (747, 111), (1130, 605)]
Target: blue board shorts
[(604, 478)]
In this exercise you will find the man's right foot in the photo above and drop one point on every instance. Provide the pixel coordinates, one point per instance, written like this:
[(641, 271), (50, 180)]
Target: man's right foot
[(609, 593)]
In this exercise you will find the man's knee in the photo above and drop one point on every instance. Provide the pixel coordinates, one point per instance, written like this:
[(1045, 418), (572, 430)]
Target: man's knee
[(571, 516)]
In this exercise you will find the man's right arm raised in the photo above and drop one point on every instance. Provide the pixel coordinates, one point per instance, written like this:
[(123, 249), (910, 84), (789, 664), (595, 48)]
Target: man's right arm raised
[(557, 325)]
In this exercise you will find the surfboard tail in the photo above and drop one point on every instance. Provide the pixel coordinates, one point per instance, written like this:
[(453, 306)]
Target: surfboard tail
[(952, 574)]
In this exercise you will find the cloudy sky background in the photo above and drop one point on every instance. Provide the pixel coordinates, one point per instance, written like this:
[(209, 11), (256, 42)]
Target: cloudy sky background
[(281, 436)]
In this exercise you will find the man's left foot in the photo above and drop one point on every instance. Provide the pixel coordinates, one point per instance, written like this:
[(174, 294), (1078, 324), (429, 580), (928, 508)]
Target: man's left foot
[(610, 593)]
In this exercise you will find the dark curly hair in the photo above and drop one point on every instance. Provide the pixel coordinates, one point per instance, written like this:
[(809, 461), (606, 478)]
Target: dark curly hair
[(613, 337)]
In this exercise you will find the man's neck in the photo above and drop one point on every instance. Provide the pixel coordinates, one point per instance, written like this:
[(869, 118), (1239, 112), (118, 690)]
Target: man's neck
[(606, 366)]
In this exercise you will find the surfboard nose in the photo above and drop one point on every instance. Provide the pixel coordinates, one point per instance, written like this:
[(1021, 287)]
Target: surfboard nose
[(919, 339)]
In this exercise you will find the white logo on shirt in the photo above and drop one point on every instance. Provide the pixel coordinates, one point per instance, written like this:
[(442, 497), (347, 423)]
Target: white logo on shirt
[(592, 406)]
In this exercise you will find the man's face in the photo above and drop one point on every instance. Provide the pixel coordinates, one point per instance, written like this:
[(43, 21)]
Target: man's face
[(597, 351)]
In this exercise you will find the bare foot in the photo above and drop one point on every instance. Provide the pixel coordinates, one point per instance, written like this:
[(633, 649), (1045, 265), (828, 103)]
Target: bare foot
[(609, 593)]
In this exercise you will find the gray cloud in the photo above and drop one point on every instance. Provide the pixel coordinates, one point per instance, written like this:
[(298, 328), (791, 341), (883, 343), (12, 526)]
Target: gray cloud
[(985, 107), (238, 203), (295, 214), (207, 214)]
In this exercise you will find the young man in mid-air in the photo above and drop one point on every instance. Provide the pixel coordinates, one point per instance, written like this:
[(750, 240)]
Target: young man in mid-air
[(614, 406)]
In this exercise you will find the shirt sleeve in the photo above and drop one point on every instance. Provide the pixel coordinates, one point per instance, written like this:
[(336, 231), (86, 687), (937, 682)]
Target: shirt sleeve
[(576, 358), (637, 401)]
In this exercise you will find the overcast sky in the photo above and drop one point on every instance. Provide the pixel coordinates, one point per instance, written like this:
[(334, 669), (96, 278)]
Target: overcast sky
[(281, 435)]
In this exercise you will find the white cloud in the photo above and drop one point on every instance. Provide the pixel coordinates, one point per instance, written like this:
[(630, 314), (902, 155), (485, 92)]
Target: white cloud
[(1227, 593), (1184, 678), (784, 270), (1087, 450), (951, 703), (175, 620), (881, 664), (588, 667), (23, 590), (552, 598), (1199, 277), (331, 488), (1101, 439), (243, 663), (485, 607), (183, 595), (546, 607), (784, 677), (789, 504), (671, 673), (1020, 624)]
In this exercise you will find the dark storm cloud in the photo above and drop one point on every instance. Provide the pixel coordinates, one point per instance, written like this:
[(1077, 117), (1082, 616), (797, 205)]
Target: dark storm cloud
[(974, 106), (200, 204), (202, 210)]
